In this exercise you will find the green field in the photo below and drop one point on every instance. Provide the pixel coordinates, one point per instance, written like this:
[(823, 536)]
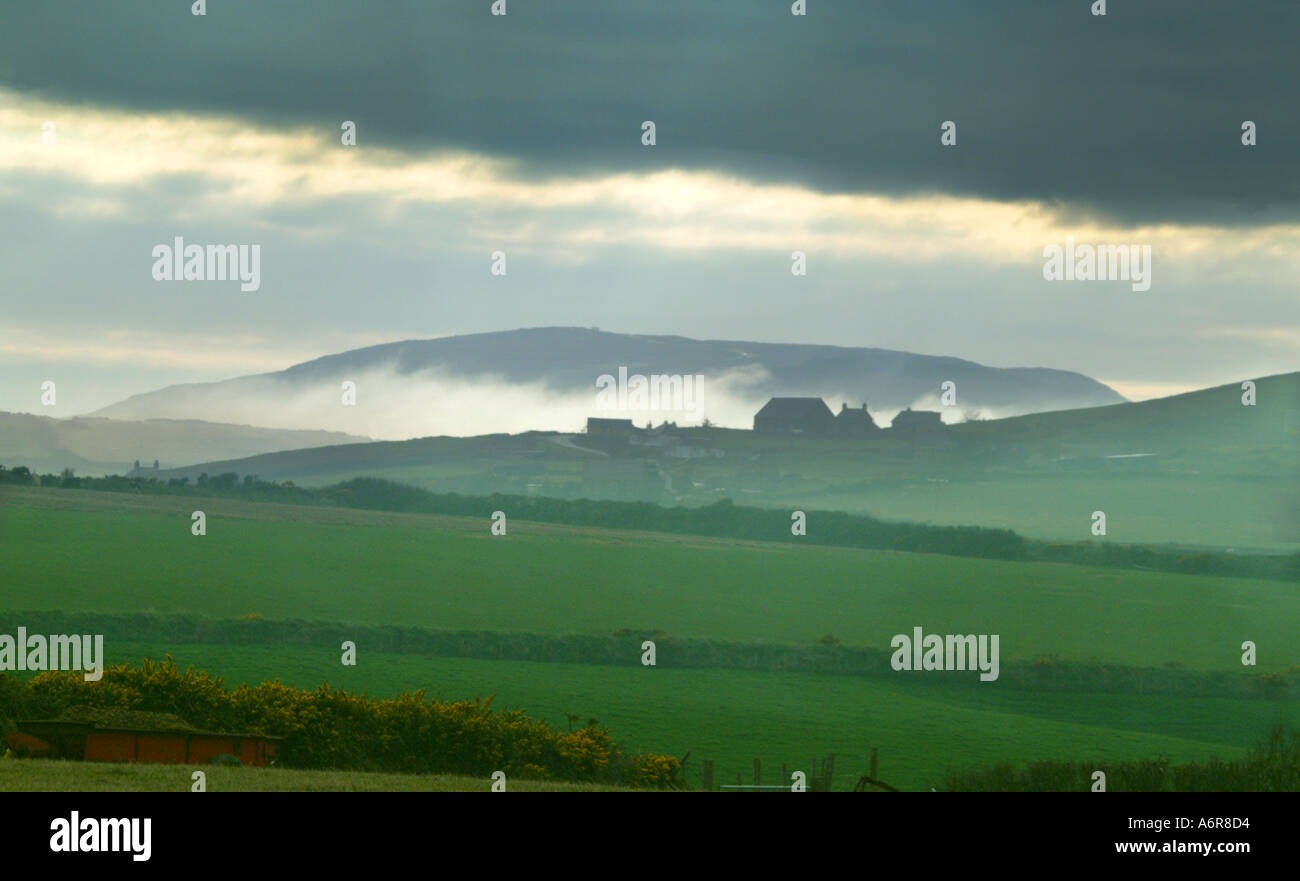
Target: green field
[(51, 775), (450, 573), (1247, 512), (734, 716), (1144, 503), (79, 551)]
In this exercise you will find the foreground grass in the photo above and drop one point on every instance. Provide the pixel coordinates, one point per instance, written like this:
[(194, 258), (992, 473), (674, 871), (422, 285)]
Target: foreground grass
[(923, 731), (49, 775), (124, 554), (449, 573)]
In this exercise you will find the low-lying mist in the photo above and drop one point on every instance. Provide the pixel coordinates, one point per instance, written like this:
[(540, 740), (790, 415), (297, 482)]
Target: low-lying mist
[(387, 404), (396, 406)]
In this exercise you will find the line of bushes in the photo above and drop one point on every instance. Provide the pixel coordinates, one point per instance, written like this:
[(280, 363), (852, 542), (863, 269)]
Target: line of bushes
[(1272, 766), (722, 519), (329, 728), (623, 649)]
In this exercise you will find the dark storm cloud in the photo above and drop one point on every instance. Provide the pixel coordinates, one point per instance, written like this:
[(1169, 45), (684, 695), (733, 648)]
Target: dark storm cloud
[(1135, 116)]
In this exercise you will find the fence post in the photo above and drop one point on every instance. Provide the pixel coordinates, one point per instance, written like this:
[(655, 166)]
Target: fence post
[(707, 781)]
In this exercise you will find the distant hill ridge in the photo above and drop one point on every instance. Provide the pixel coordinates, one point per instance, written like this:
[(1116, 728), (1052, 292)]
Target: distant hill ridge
[(569, 360), (102, 446)]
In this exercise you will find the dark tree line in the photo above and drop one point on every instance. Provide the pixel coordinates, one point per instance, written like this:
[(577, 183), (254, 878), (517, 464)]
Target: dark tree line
[(722, 519)]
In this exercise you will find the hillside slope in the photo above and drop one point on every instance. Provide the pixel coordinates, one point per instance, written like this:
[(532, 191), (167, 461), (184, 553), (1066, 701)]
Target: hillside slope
[(545, 378), (107, 446), (1194, 469)]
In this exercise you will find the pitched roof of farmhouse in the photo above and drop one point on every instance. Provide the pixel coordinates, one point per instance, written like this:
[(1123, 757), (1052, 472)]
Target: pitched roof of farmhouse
[(850, 416), (795, 408), (916, 417)]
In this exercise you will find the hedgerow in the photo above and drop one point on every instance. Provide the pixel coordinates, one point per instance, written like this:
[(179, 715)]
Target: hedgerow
[(329, 728), (723, 519)]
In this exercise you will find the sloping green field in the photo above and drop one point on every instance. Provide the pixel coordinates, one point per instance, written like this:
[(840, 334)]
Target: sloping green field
[(734, 716), (449, 573), (79, 551), (1247, 512)]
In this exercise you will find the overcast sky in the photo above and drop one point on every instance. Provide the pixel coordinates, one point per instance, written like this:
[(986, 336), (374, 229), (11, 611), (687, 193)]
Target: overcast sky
[(523, 133)]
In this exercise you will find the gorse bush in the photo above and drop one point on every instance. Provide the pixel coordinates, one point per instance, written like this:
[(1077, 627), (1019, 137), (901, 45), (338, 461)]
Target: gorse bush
[(329, 728)]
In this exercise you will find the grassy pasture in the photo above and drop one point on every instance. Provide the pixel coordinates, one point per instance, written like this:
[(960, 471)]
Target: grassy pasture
[(733, 716), (83, 551), (49, 775), (1145, 503), (1208, 510), (450, 573)]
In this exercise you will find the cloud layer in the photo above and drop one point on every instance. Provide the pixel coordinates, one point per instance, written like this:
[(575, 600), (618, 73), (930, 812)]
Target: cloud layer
[(1135, 115), (521, 133)]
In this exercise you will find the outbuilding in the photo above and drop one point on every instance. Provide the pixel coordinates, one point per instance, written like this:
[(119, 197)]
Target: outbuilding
[(794, 416), (94, 734)]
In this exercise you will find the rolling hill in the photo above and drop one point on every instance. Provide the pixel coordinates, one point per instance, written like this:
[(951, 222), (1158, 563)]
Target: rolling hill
[(545, 378), (107, 446), (1195, 469)]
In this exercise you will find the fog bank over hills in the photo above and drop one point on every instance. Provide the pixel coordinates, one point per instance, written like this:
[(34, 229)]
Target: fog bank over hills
[(546, 378)]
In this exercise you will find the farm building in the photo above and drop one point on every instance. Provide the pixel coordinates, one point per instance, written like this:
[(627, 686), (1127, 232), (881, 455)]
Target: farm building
[(854, 422), (794, 416), (610, 426), (910, 421), (106, 735)]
